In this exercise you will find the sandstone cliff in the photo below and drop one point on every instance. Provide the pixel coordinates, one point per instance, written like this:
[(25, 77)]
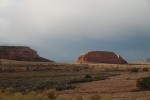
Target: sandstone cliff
[(100, 57), (20, 53)]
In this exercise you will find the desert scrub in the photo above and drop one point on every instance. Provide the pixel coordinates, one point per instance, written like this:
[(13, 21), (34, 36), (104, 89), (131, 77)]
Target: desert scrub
[(143, 83), (145, 98), (134, 70), (62, 97), (43, 80), (88, 76), (8, 91), (49, 95), (79, 97), (64, 86), (106, 97), (33, 95), (145, 69), (95, 97)]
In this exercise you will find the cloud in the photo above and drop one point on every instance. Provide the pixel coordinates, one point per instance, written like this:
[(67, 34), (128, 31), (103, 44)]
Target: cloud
[(6, 3), (73, 23)]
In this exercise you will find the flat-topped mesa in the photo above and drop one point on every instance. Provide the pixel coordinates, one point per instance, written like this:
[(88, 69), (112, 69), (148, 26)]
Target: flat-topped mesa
[(20, 53), (100, 57)]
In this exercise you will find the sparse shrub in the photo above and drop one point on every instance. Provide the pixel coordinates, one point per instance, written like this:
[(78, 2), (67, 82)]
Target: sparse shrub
[(143, 83), (79, 97), (108, 69), (42, 80), (64, 98), (145, 98), (31, 96), (50, 93), (18, 96), (32, 93), (64, 87), (135, 70), (9, 91), (128, 78), (145, 69), (88, 76), (106, 97), (2, 91), (76, 69), (95, 97), (45, 98)]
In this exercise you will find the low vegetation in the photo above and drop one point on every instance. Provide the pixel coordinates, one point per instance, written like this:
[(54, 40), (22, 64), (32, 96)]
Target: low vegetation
[(45, 81), (144, 83), (41, 80), (145, 69), (145, 98), (87, 76), (134, 70), (8, 94)]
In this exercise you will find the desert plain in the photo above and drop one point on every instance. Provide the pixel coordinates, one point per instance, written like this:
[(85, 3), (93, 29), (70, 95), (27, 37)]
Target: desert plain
[(70, 81)]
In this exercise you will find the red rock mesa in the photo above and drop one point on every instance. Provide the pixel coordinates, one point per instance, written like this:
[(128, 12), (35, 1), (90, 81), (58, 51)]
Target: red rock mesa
[(20, 53), (100, 57)]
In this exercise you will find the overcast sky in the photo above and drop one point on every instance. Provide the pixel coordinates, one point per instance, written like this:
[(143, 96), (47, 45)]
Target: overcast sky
[(62, 29)]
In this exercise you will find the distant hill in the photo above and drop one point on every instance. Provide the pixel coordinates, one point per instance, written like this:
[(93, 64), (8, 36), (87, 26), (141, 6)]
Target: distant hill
[(146, 60)]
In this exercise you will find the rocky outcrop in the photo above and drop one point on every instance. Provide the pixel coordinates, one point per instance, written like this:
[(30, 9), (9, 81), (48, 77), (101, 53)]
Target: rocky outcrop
[(20, 53), (100, 57)]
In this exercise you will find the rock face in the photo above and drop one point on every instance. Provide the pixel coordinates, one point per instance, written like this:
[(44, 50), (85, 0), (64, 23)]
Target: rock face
[(20, 53), (100, 57)]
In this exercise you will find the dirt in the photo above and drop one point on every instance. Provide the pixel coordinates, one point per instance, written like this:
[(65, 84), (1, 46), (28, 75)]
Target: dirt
[(121, 87)]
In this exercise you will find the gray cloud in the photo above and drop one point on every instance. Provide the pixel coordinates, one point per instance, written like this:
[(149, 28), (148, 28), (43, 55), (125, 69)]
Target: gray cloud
[(73, 26)]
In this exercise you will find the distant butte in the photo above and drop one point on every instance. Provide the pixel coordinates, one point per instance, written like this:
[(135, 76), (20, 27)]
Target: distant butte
[(20, 53), (100, 57)]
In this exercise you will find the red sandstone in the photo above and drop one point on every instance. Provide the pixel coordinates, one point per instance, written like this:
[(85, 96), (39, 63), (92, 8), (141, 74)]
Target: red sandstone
[(100, 57), (20, 53)]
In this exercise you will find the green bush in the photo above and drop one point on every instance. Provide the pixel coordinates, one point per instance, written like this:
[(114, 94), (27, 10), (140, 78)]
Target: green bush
[(135, 70), (88, 76), (143, 83)]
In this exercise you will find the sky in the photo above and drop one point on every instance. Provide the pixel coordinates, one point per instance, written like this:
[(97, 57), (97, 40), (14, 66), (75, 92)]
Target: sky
[(61, 30)]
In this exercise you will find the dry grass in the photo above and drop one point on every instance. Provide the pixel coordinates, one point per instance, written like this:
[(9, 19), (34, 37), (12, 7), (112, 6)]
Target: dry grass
[(145, 98), (48, 95)]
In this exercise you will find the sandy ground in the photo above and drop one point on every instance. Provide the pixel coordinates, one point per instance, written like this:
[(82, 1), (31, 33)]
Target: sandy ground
[(121, 87)]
